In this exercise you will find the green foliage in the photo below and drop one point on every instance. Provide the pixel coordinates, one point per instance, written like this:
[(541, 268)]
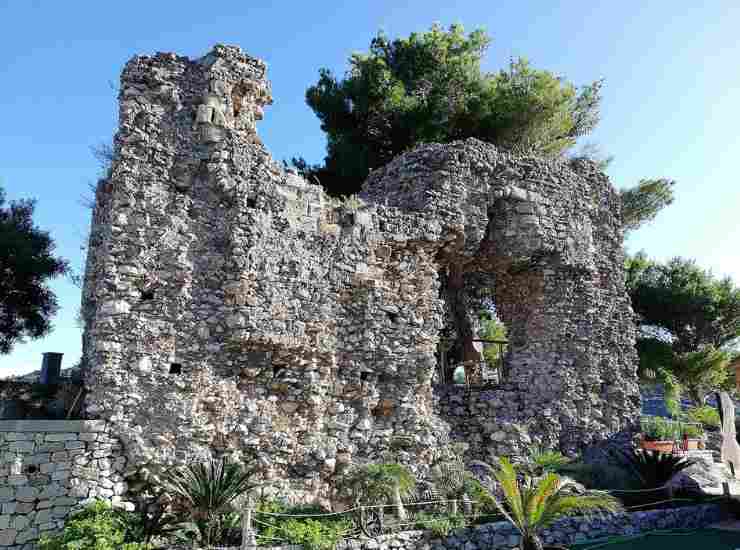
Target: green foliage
[(656, 428), (493, 329), (97, 527), (313, 533), (429, 87), (207, 490), (699, 317), (545, 462), (369, 484), (440, 526), (688, 302), (672, 390), (705, 415), (703, 371), (642, 202), (532, 506), (28, 264), (652, 468)]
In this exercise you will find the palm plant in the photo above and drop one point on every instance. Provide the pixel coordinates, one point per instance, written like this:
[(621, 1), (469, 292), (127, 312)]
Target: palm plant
[(544, 461), (371, 483), (531, 507), (207, 490), (452, 480)]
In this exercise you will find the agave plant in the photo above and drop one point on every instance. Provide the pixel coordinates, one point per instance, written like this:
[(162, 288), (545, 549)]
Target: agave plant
[(207, 490), (653, 469), (531, 507)]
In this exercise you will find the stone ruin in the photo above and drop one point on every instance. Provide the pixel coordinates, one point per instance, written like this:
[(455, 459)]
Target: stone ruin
[(232, 307)]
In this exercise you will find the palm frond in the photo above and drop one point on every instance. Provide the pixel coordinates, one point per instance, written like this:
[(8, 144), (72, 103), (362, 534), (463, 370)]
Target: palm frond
[(595, 502), (506, 476), (537, 503)]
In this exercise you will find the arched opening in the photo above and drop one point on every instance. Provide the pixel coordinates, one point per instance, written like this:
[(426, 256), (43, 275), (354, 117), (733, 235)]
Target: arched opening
[(473, 341)]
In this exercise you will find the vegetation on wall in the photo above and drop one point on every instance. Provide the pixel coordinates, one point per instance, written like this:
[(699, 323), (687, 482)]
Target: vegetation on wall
[(430, 87)]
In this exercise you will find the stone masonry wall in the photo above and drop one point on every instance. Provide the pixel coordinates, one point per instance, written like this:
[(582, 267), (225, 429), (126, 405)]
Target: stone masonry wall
[(50, 466), (231, 307), (566, 531)]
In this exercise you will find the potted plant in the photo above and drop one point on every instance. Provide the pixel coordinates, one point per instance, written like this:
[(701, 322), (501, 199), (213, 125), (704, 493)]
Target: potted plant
[(691, 436), (658, 434), (661, 434)]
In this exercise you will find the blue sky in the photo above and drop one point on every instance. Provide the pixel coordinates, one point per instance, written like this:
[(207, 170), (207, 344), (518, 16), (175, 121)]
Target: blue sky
[(670, 102)]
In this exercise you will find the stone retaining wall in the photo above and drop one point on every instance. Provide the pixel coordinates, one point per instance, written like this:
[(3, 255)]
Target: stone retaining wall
[(47, 468), (502, 536)]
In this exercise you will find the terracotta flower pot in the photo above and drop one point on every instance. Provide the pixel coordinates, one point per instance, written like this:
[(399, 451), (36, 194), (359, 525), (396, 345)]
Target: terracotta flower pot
[(664, 446)]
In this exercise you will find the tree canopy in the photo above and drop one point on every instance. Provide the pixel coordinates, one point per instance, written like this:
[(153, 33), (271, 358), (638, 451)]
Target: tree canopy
[(689, 323), (430, 87), (642, 202), (690, 303), (27, 263)]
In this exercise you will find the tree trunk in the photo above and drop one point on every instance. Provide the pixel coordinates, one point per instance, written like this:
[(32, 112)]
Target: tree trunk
[(531, 542), (400, 510), (456, 299)]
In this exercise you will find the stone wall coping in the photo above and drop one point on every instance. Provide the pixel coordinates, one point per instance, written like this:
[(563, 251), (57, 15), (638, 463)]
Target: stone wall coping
[(57, 426)]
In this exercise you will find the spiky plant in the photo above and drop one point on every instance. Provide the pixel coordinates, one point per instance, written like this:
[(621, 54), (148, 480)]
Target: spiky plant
[(531, 507), (653, 469), (207, 490)]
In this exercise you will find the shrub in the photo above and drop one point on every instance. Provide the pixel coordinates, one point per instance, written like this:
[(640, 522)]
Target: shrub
[(705, 415), (691, 431), (97, 527), (652, 468), (313, 533), (655, 428), (440, 526)]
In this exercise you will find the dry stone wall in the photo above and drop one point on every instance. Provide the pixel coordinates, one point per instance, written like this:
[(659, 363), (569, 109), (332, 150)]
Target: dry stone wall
[(230, 306), (48, 468)]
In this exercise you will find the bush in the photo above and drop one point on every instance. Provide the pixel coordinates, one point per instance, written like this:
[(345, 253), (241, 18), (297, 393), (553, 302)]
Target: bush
[(313, 533), (656, 428), (440, 526), (705, 415), (97, 527)]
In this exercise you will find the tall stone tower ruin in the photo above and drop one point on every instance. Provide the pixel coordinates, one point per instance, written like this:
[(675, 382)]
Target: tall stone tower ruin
[(230, 306)]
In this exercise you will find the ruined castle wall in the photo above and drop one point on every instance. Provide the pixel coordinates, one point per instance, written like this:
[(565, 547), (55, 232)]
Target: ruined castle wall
[(230, 306)]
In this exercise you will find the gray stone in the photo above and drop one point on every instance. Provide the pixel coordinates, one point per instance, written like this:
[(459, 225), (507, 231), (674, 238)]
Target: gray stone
[(265, 293)]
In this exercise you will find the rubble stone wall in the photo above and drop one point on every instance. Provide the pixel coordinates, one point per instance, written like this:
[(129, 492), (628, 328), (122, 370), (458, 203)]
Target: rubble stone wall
[(230, 306), (48, 467)]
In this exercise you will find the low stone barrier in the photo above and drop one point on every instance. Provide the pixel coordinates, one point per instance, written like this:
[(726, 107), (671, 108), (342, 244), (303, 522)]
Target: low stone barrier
[(502, 536), (50, 466)]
